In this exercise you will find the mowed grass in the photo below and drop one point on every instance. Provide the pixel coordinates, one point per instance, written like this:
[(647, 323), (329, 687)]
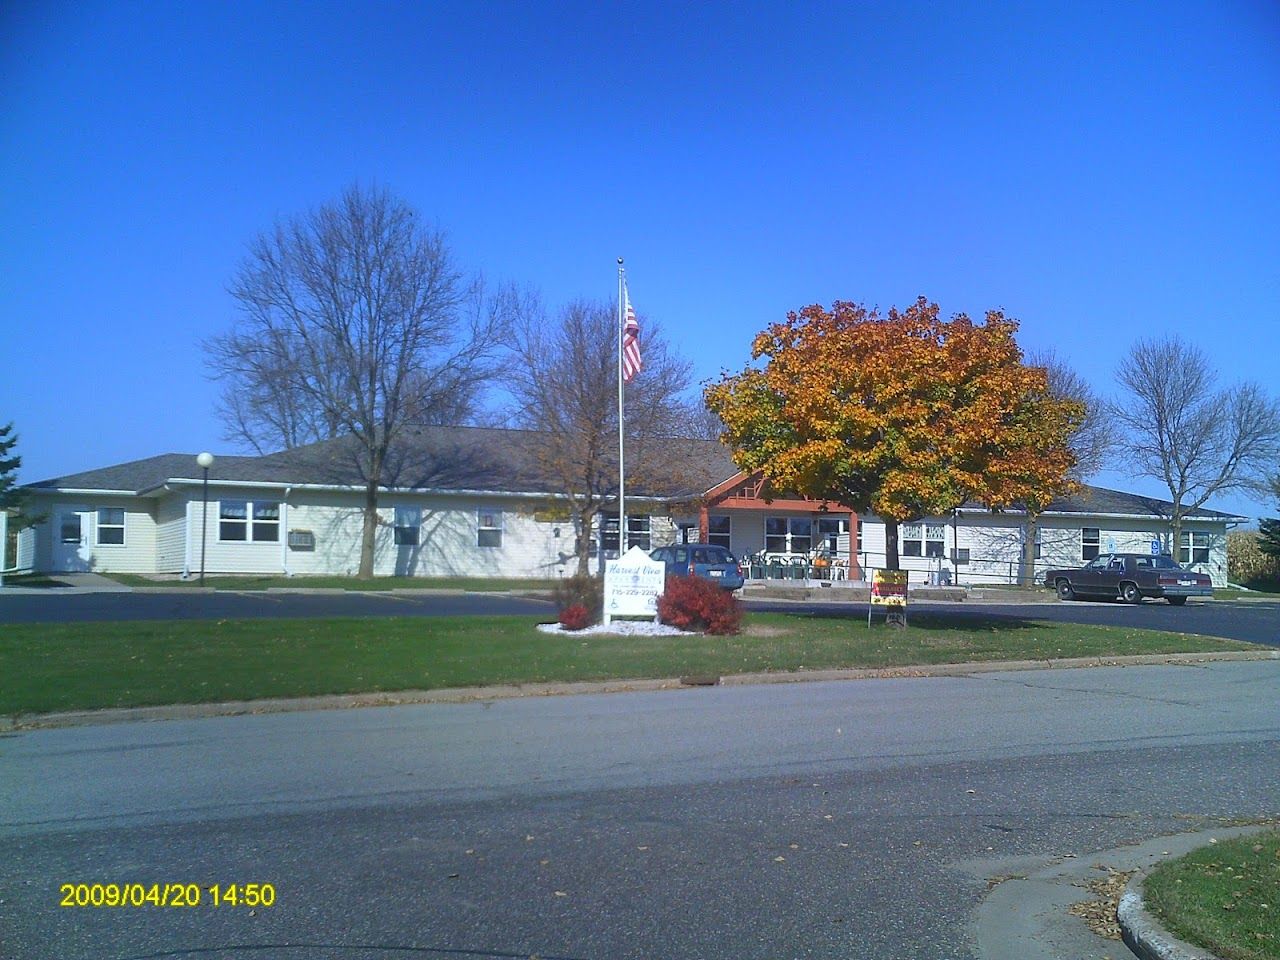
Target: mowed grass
[(242, 582), (52, 667), (1224, 897)]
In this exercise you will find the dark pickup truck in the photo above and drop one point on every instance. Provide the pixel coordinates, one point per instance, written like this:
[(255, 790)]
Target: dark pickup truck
[(1130, 577)]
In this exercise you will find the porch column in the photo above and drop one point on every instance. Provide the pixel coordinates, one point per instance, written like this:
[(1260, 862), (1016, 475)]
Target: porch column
[(855, 562), (704, 524)]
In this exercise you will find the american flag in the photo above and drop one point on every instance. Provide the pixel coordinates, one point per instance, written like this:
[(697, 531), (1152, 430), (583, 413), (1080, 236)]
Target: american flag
[(630, 339)]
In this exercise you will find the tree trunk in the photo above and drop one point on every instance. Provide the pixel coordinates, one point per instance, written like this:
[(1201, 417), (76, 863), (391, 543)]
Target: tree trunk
[(583, 546), (1029, 550), (370, 532), (1175, 548), (891, 561)]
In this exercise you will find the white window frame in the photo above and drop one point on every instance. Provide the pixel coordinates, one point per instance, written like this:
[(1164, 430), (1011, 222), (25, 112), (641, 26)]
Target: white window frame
[(489, 520), (639, 530), (1194, 542), (911, 536), (792, 536), (101, 525), (250, 521), (407, 520), (935, 540), (719, 538), (1087, 542)]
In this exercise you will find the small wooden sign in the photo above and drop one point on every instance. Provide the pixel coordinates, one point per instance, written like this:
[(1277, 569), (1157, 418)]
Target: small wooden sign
[(889, 588)]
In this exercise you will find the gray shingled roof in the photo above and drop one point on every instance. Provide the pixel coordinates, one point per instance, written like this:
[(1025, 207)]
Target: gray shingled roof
[(433, 458), (1099, 500), (481, 458)]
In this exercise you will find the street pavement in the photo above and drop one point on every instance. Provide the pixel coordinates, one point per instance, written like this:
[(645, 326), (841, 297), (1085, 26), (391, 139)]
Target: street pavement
[(864, 819)]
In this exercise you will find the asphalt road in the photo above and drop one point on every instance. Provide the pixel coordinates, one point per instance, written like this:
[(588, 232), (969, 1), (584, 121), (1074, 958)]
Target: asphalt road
[(1258, 622), (865, 819)]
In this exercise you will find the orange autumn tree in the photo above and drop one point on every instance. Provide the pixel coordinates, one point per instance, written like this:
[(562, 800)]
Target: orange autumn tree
[(904, 415)]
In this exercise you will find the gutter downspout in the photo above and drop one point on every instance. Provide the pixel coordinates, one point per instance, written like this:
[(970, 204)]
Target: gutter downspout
[(284, 529)]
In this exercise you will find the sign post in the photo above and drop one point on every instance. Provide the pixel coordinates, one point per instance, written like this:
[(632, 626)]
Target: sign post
[(632, 584), (889, 590)]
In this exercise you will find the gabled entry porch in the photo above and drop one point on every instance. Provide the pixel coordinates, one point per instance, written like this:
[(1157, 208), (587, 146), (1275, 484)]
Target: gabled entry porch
[(780, 536)]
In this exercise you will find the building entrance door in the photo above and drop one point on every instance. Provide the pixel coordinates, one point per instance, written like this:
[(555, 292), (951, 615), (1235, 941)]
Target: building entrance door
[(71, 550)]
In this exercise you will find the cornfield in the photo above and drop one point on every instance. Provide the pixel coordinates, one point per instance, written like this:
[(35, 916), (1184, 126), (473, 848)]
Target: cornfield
[(1249, 566)]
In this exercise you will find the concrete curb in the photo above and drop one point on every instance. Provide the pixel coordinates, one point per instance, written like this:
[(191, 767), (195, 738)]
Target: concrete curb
[(576, 688), (1143, 933)]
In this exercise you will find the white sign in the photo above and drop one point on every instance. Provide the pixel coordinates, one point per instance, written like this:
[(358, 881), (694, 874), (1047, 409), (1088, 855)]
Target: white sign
[(632, 584)]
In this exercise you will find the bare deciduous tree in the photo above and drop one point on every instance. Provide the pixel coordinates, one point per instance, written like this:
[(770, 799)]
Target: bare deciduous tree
[(1090, 443), (354, 323), (1179, 428), (564, 380)]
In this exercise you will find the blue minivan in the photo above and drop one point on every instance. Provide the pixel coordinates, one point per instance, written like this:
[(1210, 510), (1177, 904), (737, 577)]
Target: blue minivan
[(704, 560)]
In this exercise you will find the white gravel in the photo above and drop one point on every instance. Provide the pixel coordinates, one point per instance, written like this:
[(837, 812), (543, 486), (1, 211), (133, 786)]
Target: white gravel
[(624, 628)]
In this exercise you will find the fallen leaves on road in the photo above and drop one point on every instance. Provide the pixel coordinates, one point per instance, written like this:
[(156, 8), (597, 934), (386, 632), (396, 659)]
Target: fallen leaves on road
[(1099, 914)]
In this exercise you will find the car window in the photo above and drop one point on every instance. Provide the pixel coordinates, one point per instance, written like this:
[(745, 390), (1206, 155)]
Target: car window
[(659, 554), (1142, 563), (700, 556), (1164, 563), (1115, 564), (682, 554)]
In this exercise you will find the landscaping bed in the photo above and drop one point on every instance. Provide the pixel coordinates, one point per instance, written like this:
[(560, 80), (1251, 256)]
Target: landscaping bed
[(80, 666)]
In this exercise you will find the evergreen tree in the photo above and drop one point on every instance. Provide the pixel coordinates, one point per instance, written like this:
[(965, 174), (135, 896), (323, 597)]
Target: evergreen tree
[(1269, 530), (11, 497)]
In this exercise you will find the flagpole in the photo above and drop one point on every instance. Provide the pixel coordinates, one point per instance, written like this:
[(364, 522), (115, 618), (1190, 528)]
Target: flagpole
[(622, 472)]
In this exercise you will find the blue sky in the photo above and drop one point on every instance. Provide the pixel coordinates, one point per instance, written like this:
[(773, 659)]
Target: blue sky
[(1100, 171)]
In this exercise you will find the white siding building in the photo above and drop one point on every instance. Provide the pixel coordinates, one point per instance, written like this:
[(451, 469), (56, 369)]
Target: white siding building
[(467, 501)]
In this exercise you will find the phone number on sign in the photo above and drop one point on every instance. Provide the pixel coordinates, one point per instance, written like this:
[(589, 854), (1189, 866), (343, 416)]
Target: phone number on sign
[(166, 895)]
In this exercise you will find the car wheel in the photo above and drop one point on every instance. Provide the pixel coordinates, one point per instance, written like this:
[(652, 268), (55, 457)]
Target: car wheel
[(1177, 601), (1064, 590), (1130, 593)]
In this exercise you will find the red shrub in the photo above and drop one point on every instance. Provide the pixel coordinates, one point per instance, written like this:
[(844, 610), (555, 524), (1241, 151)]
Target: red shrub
[(692, 603), (575, 617)]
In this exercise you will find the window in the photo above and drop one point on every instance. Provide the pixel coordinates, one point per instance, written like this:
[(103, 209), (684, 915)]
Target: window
[(859, 547), (70, 532), (1194, 548), (110, 526), (638, 532), (1090, 540), (489, 527), (935, 535), (912, 539), (609, 533), (718, 527), (234, 523), (788, 534), (266, 522), (829, 530), (1039, 542), (408, 521)]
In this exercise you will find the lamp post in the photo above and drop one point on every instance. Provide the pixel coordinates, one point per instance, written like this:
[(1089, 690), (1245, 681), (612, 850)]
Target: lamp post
[(205, 461)]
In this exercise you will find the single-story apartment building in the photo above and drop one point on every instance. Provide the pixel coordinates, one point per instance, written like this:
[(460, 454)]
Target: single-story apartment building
[(472, 501)]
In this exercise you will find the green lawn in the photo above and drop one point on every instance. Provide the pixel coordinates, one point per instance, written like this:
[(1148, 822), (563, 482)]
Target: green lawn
[(340, 583), (1226, 593), (49, 667), (1224, 897)]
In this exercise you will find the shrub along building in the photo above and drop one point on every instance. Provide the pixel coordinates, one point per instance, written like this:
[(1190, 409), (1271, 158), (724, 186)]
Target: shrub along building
[(469, 501)]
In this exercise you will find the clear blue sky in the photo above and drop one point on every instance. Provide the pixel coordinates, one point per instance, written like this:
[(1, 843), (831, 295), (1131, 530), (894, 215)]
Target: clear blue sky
[(1100, 171)]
